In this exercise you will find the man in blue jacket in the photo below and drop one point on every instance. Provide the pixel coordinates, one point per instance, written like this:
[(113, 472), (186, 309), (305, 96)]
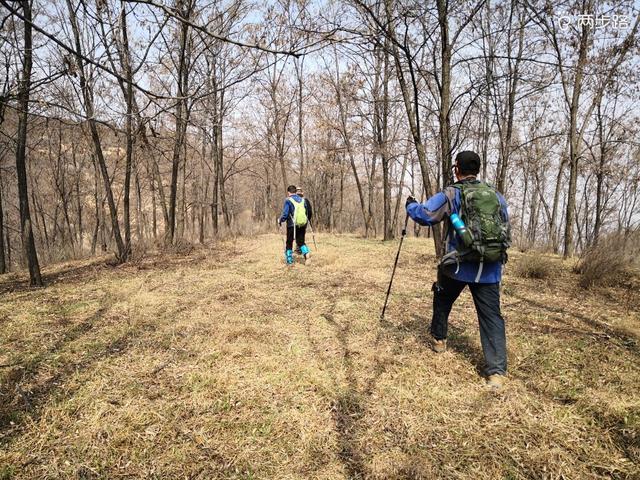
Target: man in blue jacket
[(456, 272), (295, 213)]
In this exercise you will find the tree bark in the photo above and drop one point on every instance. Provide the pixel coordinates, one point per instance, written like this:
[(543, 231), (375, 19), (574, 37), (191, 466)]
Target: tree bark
[(181, 112), (126, 66), (28, 241), (574, 142), (87, 94), (348, 146), (506, 138), (3, 263), (413, 118), (444, 124)]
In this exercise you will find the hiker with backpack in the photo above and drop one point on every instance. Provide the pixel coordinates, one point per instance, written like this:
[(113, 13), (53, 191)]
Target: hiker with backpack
[(309, 210), (478, 236), (296, 215)]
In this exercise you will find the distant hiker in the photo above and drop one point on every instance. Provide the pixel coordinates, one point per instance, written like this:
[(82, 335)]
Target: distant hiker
[(307, 206), (295, 213), (478, 236)]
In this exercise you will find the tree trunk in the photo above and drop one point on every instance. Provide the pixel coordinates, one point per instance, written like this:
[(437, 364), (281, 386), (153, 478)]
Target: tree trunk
[(3, 263), (299, 65), (126, 64), (413, 118), (514, 72), (87, 95), (181, 112), (26, 231), (78, 175), (96, 197), (381, 130), (574, 142), (600, 174), (347, 142), (445, 93)]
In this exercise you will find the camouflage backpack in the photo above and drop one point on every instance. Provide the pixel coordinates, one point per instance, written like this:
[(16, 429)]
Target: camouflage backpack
[(489, 234)]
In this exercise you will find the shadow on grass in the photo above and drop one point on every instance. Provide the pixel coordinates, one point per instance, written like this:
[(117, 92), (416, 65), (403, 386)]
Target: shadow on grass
[(348, 405), (78, 273), (458, 341), (71, 273), (624, 339), (619, 426), (22, 393)]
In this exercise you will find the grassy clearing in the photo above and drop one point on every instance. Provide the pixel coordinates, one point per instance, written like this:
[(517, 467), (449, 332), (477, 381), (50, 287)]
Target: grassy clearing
[(227, 364)]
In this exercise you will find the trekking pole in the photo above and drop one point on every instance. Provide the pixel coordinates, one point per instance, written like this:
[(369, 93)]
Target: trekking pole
[(395, 264), (284, 242), (313, 235)]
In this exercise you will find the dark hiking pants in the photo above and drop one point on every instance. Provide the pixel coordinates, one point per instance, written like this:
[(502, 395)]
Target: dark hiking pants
[(486, 297), (299, 236)]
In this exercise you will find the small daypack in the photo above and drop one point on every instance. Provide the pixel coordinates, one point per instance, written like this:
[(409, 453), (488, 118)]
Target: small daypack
[(299, 213), (489, 233)]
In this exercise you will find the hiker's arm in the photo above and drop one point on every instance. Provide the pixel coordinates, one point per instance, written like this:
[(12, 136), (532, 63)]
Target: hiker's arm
[(431, 212), (285, 212), (503, 207), (505, 214)]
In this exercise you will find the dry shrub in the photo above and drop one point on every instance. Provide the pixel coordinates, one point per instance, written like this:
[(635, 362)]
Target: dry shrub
[(181, 246), (610, 262), (243, 225), (139, 252), (534, 266)]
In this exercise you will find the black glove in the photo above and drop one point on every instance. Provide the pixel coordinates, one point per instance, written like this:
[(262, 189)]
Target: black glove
[(410, 200)]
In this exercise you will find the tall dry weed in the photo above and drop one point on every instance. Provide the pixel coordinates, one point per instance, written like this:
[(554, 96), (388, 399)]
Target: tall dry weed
[(610, 262)]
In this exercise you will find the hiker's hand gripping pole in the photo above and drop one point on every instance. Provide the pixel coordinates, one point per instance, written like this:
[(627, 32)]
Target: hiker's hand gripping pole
[(395, 264)]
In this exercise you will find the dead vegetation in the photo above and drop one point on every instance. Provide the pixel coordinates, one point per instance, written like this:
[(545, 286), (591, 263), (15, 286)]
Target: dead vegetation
[(534, 265), (223, 363), (611, 262)]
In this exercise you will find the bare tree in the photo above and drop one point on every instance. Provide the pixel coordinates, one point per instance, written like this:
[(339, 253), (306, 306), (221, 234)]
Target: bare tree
[(24, 90)]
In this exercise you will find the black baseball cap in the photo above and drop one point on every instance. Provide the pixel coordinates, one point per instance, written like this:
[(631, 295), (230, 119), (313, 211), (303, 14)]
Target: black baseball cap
[(468, 162)]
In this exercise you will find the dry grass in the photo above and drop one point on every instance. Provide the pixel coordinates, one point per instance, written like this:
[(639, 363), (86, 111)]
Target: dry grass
[(224, 363), (535, 265), (610, 263)]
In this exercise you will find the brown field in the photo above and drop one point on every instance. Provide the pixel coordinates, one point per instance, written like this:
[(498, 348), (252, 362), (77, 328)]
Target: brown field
[(224, 363)]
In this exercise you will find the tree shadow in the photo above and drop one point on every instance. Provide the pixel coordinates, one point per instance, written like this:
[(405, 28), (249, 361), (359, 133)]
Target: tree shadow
[(69, 274), (348, 407), (615, 424), (625, 339), (458, 340), (22, 393)]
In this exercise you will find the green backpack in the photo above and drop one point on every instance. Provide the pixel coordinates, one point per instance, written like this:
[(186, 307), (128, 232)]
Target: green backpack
[(299, 213), (489, 234)]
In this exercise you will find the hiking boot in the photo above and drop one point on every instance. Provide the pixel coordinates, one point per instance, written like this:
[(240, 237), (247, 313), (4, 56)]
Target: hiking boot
[(496, 381), (307, 255), (439, 346), (288, 255)]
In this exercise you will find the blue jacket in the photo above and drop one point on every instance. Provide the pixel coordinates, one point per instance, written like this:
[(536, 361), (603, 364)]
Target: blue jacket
[(288, 209), (440, 207)]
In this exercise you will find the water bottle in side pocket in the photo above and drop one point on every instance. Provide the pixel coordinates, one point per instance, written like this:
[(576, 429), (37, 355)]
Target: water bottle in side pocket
[(461, 229)]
